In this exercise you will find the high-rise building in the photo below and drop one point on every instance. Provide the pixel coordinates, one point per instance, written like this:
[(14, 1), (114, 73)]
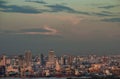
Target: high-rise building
[(3, 60), (70, 59), (28, 58), (21, 60), (51, 56), (42, 59), (51, 59)]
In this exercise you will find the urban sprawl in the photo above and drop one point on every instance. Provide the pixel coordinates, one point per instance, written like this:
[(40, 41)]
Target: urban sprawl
[(67, 66)]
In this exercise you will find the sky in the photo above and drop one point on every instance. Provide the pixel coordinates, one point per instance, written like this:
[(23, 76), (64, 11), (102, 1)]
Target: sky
[(74, 27)]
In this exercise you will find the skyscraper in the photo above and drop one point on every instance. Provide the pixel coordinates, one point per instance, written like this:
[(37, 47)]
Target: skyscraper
[(51, 56), (21, 60), (51, 59), (3, 60), (28, 57), (42, 59)]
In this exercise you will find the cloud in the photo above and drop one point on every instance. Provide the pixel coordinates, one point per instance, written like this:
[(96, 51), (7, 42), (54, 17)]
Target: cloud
[(36, 1), (35, 30), (51, 8), (103, 14), (59, 8), (63, 8), (32, 10), (71, 19), (109, 6), (46, 30), (19, 9), (2, 2), (111, 20), (96, 13)]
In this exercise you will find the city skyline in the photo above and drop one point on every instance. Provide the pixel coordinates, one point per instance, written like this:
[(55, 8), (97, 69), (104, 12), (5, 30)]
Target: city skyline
[(77, 27), (65, 66)]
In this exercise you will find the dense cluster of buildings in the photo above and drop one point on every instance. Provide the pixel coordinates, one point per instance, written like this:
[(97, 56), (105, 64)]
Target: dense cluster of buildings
[(61, 66)]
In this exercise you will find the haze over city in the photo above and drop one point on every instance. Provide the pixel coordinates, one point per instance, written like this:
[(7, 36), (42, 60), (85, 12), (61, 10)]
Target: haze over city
[(77, 27)]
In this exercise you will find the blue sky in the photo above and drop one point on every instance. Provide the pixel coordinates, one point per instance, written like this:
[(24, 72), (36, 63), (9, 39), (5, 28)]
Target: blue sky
[(67, 26)]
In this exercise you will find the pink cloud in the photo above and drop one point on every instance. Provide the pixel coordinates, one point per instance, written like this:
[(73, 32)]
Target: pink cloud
[(49, 31), (72, 19), (68, 18)]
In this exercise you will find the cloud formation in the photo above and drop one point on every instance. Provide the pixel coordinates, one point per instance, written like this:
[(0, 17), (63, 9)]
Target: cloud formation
[(46, 30), (17, 9), (21, 9), (32, 10), (111, 20), (70, 19), (102, 14), (36, 1), (51, 8), (62, 8), (59, 8), (109, 6), (2, 2)]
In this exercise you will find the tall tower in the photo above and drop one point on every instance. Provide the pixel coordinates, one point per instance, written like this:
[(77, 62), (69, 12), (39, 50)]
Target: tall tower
[(42, 59), (51, 57), (28, 58)]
